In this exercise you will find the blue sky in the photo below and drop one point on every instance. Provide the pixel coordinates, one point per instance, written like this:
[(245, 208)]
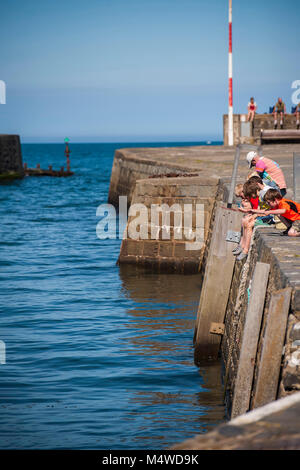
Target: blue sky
[(140, 70)]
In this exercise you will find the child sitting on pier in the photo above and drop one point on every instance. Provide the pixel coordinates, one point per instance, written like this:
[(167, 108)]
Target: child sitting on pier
[(252, 107), (253, 191), (287, 210)]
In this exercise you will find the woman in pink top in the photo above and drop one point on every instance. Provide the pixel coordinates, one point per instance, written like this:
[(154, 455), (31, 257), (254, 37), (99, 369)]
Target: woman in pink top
[(267, 169)]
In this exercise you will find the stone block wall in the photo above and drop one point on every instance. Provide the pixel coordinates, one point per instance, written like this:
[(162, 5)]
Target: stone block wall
[(127, 170), (170, 254), (10, 156)]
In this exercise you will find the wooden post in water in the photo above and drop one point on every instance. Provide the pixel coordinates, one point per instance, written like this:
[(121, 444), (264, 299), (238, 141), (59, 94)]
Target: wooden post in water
[(243, 382)]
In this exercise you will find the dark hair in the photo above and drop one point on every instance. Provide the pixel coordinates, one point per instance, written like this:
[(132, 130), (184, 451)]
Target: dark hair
[(250, 189), (272, 195), (257, 179)]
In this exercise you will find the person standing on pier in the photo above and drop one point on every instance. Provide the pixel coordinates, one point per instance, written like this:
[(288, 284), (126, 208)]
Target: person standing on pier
[(297, 112), (252, 107), (286, 209), (267, 169), (279, 108)]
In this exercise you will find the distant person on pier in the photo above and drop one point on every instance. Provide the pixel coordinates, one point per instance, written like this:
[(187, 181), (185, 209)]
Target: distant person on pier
[(280, 109), (297, 112), (267, 169), (252, 107)]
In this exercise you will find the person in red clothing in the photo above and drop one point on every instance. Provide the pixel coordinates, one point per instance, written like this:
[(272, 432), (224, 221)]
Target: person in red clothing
[(250, 201), (286, 209)]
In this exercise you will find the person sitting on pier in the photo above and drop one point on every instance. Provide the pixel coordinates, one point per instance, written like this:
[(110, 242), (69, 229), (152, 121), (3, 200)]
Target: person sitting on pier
[(268, 170), (252, 107), (297, 112), (280, 109), (253, 191), (287, 210)]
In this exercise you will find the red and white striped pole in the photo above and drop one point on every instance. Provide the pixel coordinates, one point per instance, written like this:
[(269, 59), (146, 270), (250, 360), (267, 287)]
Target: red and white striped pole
[(230, 107)]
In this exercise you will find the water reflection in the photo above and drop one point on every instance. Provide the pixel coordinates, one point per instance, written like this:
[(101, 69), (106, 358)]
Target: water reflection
[(181, 399)]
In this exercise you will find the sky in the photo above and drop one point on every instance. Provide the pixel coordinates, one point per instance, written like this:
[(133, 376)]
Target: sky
[(141, 70)]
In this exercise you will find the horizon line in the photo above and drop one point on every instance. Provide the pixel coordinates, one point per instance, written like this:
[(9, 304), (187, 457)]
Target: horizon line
[(167, 141)]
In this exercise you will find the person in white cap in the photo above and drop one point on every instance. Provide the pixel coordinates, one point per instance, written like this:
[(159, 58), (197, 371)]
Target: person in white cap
[(268, 170)]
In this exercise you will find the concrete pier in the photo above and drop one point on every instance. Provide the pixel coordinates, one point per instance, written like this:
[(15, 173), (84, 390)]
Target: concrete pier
[(167, 247), (207, 171)]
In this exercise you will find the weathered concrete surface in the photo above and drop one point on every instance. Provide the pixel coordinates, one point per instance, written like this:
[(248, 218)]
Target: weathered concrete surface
[(11, 165), (271, 427), (167, 246), (270, 363), (208, 161)]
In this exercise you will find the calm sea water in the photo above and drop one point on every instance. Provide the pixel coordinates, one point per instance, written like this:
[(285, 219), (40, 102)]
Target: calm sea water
[(97, 356)]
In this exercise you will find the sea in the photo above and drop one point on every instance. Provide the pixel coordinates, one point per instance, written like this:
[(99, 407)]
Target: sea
[(94, 355)]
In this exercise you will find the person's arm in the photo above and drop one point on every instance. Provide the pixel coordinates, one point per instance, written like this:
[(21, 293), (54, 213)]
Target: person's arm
[(275, 211), (259, 211), (284, 108)]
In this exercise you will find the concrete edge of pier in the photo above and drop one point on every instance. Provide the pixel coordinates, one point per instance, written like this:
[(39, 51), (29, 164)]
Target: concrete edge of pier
[(272, 427)]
